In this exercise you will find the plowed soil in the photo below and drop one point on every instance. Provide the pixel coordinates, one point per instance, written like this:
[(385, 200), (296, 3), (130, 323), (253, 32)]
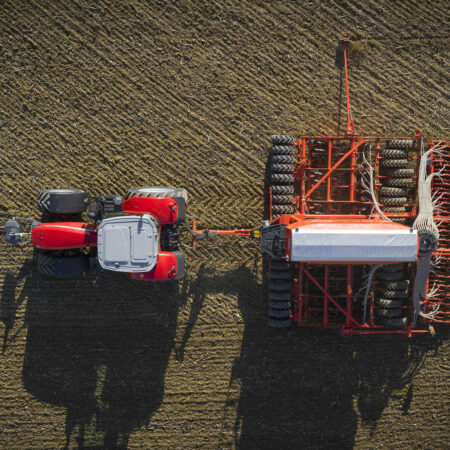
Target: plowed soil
[(109, 95)]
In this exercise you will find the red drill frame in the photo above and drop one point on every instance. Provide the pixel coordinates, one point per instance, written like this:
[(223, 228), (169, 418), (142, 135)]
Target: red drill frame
[(325, 198)]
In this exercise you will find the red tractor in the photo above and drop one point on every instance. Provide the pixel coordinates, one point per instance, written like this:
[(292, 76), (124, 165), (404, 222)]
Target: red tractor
[(137, 235)]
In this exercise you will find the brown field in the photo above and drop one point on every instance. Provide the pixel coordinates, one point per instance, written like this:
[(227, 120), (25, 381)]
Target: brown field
[(110, 95)]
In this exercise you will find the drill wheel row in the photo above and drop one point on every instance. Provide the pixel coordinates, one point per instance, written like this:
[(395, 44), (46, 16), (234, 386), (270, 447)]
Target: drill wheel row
[(282, 167), (399, 182)]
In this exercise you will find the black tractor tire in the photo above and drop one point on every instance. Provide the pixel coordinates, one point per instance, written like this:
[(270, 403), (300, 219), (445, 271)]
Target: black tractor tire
[(280, 275), (390, 276), (283, 209), (282, 159), (62, 265), (62, 201), (279, 313), (280, 286), (282, 168), (157, 191), (394, 153), (395, 285), (280, 265), (282, 190), (279, 323), (393, 201), (402, 220), (283, 139), (283, 150), (394, 312), (394, 321), (392, 191), (403, 293), (179, 194), (281, 297), (395, 209), (404, 144), (391, 268), (280, 305), (282, 199), (401, 182), (282, 178), (387, 303), (400, 173), (394, 162)]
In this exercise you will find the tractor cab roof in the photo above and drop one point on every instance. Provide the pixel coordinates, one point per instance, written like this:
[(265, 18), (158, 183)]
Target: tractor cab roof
[(128, 243)]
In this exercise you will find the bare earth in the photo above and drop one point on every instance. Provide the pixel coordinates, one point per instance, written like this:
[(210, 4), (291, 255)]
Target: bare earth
[(110, 95)]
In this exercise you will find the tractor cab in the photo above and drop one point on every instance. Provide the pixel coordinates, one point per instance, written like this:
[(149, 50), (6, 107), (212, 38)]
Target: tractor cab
[(128, 243)]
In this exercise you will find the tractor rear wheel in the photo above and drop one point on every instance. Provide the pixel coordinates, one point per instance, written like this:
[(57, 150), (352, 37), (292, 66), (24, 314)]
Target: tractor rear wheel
[(62, 201), (62, 264)]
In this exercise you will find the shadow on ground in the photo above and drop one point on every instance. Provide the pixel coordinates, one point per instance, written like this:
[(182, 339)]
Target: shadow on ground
[(305, 388), (102, 355)]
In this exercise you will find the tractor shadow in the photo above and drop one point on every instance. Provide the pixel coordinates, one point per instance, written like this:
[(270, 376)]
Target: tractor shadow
[(101, 352)]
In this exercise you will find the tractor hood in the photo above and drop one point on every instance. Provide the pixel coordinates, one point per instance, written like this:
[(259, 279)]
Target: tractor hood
[(128, 243), (361, 242)]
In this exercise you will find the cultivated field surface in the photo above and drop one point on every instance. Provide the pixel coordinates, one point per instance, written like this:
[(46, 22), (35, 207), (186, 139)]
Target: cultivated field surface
[(105, 96)]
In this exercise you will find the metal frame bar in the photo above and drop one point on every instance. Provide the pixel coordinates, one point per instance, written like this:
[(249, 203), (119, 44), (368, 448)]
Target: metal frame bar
[(336, 165), (346, 312)]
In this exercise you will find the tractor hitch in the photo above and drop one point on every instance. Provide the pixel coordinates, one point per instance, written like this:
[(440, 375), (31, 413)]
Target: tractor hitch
[(13, 232)]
